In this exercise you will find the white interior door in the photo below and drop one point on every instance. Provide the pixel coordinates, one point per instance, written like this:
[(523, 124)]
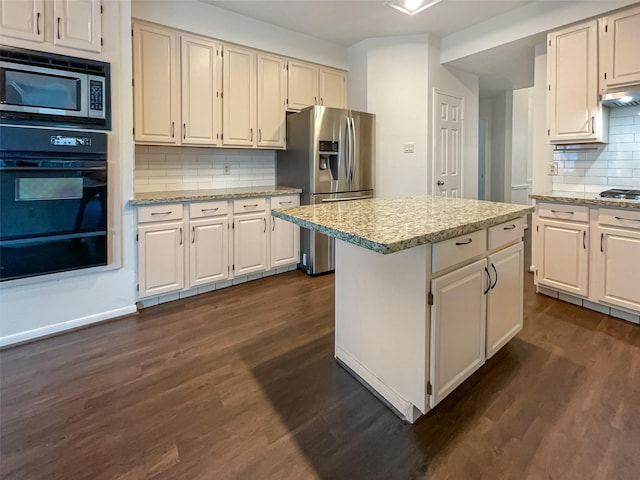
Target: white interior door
[(448, 140)]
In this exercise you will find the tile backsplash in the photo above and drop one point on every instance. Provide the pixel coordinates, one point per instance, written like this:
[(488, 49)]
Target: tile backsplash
[(612, 165), (160, 169)]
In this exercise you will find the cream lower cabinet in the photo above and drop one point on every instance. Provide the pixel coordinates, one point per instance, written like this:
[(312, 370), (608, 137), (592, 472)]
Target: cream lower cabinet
[(285, 236), (208, 243), (249, 236), (617, 258), (505, 298), (458, 319), (161, 247), (563, 248)]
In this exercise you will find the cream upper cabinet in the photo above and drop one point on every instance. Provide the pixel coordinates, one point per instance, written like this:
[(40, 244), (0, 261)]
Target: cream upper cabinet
[(574, 111), (78, 24), (239, 96), (22, 19), (310, 84), (73, 23), (302, 85), (271, 100), (199, 91), (333, 88), (155, 87), (619, 57)]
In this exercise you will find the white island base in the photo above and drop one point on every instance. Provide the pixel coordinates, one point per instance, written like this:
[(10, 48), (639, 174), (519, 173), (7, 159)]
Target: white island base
[(412, 353)]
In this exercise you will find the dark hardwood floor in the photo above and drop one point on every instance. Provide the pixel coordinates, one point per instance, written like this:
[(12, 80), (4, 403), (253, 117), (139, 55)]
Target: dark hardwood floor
[(242, 384)]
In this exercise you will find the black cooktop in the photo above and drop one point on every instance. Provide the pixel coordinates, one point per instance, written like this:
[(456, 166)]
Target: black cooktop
[(621, 193)]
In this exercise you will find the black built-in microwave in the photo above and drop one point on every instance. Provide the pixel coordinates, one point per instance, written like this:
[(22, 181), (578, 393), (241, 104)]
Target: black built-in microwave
[(41, 88)]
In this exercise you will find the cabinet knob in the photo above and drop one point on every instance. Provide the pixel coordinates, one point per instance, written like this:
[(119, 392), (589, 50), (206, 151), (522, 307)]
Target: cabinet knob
[(440, 183)]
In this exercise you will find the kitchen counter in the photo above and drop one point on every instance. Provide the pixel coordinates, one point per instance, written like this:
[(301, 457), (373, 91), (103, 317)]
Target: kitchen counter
[(414, 325), (387, 225), (214, 194), (585, 199)]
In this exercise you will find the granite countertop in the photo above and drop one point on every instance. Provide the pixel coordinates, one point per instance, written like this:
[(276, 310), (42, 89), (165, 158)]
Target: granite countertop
[(387, 225), (216, 194), (585, 199)]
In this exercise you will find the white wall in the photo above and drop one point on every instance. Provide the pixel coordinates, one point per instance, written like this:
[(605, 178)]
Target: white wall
[(36, 307), (395, 78), (542, 152), (210, 21), (521, 145)]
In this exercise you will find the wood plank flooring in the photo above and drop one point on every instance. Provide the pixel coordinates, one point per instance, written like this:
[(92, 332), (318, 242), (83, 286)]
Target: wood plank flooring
[(242, 384)]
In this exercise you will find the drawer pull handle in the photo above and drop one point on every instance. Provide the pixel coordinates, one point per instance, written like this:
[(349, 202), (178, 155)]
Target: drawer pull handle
[(162, 213), (204, 210), (285, 203), (486, 270), (466, 242), (510, 227), (628, 219), (560, 211), (251, 206)]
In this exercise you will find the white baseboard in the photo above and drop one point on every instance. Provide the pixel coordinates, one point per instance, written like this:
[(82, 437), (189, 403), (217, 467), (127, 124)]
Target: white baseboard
[(64, 326)]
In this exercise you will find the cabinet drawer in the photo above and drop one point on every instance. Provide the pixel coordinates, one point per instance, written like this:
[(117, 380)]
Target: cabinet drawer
[(208, 209), (157, 213), (506, 233), (249, 205), (285, 201), (559, 211), (619, 218), (457, 250)]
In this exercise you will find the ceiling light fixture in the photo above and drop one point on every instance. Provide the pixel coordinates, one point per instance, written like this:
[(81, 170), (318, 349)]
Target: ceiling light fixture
[(411, 7)]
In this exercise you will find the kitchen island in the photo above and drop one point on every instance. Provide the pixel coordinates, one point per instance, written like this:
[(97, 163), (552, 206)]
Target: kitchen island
[(426, 289)]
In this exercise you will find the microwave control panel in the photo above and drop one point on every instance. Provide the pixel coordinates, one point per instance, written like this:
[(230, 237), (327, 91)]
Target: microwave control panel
[(95, 95)]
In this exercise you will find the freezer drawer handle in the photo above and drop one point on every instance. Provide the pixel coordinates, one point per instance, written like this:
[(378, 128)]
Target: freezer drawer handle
[(345, 199)]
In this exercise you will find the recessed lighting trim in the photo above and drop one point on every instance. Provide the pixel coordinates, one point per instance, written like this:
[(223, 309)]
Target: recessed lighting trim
[(411, 7)]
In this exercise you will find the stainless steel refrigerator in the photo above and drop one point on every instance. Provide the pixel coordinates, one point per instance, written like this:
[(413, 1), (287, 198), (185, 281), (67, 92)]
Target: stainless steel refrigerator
[(330, 155)]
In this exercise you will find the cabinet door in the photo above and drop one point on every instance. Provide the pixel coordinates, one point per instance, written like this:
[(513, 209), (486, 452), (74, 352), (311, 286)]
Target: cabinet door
[(618, 269), (285, 236), (250, 243), (458, 318), (78, 24), (564, 256), (302, 85), (199, 91), (505, 298), (22, 19), (238, 96), (155, 85), (208, 250), (160, 258), (333, 88), (619, 58), (573, 107), (271, 100)]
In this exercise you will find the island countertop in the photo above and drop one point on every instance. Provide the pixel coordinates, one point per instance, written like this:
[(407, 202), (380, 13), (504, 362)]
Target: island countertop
[(213, 194), (388, 225)]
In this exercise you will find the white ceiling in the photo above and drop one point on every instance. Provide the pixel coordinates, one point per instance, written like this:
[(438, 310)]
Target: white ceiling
[(348, 22)]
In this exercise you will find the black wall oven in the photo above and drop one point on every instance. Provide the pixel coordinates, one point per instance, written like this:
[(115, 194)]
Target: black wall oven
[(53, 201)]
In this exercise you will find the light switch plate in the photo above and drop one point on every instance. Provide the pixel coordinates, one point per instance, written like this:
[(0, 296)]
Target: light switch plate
[(408, 148), (552, 168), (226, 169)]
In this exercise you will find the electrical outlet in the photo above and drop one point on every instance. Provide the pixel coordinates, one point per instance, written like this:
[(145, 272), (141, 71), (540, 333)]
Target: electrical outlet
[(408, 148), (552, 168), (226, 169)]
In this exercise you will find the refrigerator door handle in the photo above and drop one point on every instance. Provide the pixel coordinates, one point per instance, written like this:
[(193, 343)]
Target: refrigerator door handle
[(354, 149), (347, 155)]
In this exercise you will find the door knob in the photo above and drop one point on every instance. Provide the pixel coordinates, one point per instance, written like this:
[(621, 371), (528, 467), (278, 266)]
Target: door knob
[(439, 183)]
